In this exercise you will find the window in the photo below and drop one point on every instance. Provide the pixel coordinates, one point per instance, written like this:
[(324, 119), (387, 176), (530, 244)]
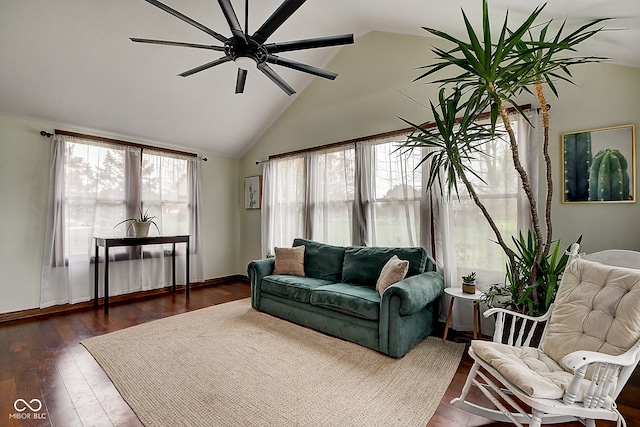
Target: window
[(398, 194), (94, 193), (106, 183), (379, 192), (313, 195), (165, 191), (95, 184), (498, 188), (330, 193), (283, 198)]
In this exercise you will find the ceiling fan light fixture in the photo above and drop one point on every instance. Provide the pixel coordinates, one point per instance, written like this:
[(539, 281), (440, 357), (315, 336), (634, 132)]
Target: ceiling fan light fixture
[(245, 63)]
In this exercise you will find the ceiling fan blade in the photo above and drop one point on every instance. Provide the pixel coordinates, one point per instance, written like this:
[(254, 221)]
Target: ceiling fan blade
[(180, 44), (187, 19), (242, 78), (309, 43), (286, 9), (272, 59), (206, 66), (268, 71), (232, 19)]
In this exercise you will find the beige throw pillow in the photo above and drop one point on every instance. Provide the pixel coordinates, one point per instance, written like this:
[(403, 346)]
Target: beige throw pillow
[(393, 271), (289, 261)]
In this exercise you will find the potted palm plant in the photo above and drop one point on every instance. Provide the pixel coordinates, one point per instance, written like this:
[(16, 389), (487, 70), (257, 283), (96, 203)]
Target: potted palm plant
[(489, 75), (140, 224)]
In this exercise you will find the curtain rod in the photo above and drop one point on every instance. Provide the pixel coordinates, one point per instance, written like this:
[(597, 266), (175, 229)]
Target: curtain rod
[(511, 110), (117, 141)]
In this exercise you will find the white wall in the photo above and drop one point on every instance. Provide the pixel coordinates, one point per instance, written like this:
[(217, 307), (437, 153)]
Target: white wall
[(375, 87), (24, 173)]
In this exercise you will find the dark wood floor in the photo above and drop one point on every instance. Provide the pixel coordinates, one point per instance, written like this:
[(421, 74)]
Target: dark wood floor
[(42, 359)]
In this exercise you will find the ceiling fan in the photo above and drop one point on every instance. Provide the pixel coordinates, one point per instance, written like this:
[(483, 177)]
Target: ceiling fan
[(250, 50)]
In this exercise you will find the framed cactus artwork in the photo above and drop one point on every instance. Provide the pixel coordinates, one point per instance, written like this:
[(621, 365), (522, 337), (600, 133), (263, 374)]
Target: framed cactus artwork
[(253, 192), (599, 165)]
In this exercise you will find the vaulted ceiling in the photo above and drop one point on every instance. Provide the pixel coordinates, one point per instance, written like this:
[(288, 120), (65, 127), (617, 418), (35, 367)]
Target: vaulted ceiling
[(71, 63)]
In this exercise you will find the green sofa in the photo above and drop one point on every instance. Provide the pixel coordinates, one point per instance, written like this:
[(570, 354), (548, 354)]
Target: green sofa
[(337, 295)]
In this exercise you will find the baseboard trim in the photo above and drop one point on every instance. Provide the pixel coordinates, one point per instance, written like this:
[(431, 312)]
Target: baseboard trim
[(56, 309)]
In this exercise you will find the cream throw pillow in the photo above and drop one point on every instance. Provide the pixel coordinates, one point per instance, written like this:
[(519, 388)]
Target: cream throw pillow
[(289, 261), (393, 271)]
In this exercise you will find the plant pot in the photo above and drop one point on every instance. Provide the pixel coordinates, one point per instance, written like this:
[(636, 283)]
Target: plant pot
[(141, 229), (500, 301), (469, 287)]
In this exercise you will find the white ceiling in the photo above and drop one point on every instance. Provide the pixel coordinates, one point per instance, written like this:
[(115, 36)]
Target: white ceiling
[(70, 63)]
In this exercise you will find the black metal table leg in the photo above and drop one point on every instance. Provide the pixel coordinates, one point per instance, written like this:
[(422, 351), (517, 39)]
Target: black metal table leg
[(96, 267), (106, 279), (188, 286), (173, 269)]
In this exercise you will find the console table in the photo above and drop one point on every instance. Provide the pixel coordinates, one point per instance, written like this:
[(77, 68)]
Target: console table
[(110, 242)]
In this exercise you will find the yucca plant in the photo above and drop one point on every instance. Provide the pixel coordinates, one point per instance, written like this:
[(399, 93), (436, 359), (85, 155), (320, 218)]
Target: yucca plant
[(535, 297), (489, 75), (455, 139)]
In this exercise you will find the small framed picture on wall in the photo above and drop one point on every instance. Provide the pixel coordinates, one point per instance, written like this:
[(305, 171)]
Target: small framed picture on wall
[(253, 192)]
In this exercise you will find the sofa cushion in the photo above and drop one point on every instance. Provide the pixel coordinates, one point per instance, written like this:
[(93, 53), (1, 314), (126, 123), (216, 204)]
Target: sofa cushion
[(358, 301), (393, 271), (322, 261), (289, 261), (292, 287), (362, 265)]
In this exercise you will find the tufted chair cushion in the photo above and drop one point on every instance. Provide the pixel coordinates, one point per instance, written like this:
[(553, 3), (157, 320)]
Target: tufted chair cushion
[(596, 309), (529, 368)]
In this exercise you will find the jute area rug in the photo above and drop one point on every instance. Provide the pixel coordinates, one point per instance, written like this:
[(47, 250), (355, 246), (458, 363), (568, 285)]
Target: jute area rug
[(230, 365)]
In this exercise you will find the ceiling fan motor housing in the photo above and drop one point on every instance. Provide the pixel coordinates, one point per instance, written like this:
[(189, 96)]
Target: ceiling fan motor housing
[(236, 48)]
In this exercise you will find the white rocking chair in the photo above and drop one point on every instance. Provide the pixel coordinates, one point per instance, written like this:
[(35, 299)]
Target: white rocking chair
[(588, 350)]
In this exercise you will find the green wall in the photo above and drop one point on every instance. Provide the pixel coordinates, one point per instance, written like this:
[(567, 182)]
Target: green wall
[(24, 173), (375, 87)]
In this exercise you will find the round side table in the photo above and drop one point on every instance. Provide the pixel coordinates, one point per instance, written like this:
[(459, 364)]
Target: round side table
[(475, 298)]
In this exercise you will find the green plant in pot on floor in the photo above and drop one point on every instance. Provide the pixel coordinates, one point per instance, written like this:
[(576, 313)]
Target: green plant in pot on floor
[(140, 224), (489, 71)]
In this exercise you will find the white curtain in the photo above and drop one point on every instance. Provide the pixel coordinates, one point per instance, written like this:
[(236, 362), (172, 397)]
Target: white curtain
[(310, 196), (283, 202), (398, 195), (329, 195), (464, 241), (93, 186), (389, 204)]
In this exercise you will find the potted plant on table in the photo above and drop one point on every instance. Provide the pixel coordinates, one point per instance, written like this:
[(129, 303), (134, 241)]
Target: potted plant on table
[(469, 283), (488, 75), (140, 224)]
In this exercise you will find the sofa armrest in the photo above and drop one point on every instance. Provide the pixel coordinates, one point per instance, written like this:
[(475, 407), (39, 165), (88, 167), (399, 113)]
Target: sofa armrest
[(256, 271), (416, 292)]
